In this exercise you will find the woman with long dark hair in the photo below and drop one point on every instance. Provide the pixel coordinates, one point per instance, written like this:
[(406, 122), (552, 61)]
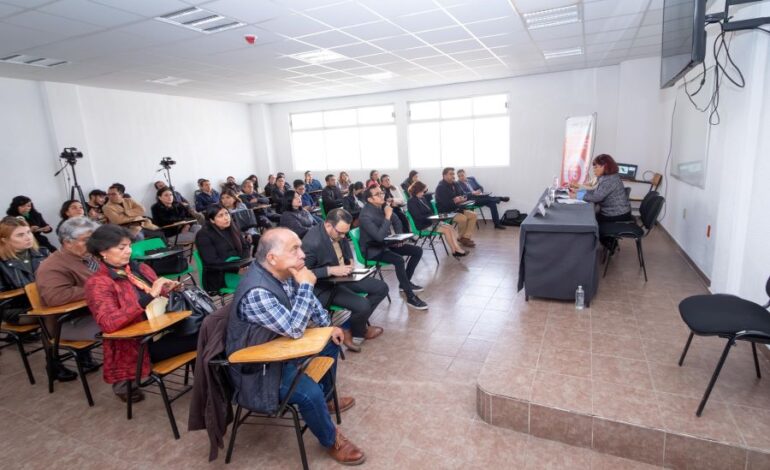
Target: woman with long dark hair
[(295, 217), (219, 241), (71, 208), (167, 211), (21, 206)]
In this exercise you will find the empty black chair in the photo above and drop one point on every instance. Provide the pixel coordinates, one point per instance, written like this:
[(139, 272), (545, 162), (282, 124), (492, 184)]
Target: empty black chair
[(729, 317), (615, 231)]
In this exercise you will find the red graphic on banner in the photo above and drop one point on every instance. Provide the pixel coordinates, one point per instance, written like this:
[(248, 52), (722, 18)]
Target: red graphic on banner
[(578, 145)]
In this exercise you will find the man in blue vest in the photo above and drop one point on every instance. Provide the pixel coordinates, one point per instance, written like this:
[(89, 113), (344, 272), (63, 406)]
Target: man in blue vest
[(275, 298)]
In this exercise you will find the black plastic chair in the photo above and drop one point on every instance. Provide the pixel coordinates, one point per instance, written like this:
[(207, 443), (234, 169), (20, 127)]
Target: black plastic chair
[(619, 230), (729, 317)]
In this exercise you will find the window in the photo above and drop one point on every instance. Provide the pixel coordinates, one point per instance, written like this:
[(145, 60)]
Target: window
[(459, 132), (344, 139)]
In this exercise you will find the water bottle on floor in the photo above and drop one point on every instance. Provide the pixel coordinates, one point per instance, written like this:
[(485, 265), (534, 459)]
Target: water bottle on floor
[(580, 298)]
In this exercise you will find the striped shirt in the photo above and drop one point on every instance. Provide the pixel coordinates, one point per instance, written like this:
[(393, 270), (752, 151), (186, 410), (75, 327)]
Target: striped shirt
[(611, 196)]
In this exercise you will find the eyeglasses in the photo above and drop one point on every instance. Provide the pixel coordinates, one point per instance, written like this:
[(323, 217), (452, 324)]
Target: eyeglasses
[(339, 232)]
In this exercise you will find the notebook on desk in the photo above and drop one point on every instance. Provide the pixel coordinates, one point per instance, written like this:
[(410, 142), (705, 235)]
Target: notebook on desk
[(398, 237)]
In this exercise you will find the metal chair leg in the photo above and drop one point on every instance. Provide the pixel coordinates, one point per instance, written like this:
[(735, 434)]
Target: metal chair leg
[(641, 257), (607, 264), (714, 377), (83, 380), (382, 278), (233, 432), (433, 248), (686, 348), (129, 401), (441, 237), (24, 360), (167, 403), (756, 360), (300, 440)]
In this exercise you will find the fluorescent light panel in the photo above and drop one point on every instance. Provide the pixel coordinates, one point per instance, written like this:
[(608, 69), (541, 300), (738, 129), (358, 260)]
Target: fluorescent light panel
[(170, 81), (558, 54), (376, 77), (320, 56), (200, 20), (23, 59), (552, 17)]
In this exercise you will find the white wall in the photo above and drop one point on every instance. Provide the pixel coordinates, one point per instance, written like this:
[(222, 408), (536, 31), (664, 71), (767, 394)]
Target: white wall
[(539, 105), (123, 135)]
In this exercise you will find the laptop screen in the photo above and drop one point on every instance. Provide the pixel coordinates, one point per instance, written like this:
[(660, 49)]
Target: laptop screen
[(627, 171)]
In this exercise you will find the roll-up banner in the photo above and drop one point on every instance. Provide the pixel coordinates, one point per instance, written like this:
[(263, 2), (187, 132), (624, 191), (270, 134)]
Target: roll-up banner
[(578, 149)]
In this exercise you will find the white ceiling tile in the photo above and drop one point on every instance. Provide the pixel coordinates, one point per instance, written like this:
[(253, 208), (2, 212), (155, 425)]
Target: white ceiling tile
[(650, 30), (305, 4), (360, 71), (459, 46), (496, 26), (106, 43), (478, 11), (15, 38), (455, 33), (375, 30), (379, 59), (394, 8), (311, 69), (607, 8), (346, 64), (528, 6), (247, 12), (435, 61), (433, 19), (27, 3), (472, 55), (6, 10), (398, 42), (506, 39), (418, 52), (655, 5), (653, 17), (293, 25), (328, 39), (560, 43), (647, 41), (562, 31), (159, 32), (357, 50), (146, 8), (51, 23), (290, 46), (89, 12), (336, 75), (612, 24), (609, 36), (343, 14)]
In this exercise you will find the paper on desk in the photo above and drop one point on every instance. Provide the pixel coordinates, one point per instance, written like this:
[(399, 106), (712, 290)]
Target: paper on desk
[(562, 200)]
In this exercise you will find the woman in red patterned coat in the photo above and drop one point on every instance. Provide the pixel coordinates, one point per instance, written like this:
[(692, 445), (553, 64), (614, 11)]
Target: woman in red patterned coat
[(117, 295)]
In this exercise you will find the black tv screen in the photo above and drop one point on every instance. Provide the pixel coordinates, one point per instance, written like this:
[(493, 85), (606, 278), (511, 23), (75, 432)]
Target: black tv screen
[(684, 38)]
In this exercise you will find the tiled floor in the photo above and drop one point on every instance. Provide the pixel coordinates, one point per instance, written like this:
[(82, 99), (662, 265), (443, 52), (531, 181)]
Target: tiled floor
[(416, 385)]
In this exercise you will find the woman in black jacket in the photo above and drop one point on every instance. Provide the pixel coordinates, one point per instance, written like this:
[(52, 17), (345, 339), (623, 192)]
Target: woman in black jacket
[(352, 202), (295, 217), (21, 206), (20, 257), (219, 242), (420, 209), (167, 211)]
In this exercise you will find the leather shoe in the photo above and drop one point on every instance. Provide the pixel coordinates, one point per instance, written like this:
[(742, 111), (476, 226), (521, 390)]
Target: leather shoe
[(345, 452), (467, 242), (348, 342), (346, 403), (505, 198), (136, 396), (63, 374), (373, 332), (500, 227)]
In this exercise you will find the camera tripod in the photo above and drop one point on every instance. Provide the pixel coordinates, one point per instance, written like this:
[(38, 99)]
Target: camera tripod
[(75, 189)]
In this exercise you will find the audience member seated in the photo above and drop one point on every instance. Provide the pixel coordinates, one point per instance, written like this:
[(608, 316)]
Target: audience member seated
[(472, 190), (295, 217), (609, 193), (251, 198), (420, 209), (230, 201), (278, 193), (270, 186), (177, 195), (374, 179), (70, 209), (286, 186), (167, 211), (96, 200), (219, 241), (61, 279), (121, 210), (117, 295), (205, 195), (275, 298), (395, 198), (377, 223), (328, 254), (410, 180), (308, 203), (448, 196), (343, 182), (332, 193), (253, 179), (21, 206), (231, 185), (354, 201), (20, 258), (311, 184)]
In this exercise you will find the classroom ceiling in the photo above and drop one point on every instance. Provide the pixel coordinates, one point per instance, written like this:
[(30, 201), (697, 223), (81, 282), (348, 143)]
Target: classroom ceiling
[(307, 49)]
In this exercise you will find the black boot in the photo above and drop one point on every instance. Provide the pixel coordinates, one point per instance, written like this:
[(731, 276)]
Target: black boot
[(62, 374), (87, 362)]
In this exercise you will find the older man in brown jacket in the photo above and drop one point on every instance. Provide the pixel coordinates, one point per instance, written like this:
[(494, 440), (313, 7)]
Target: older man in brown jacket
[(125, 211)]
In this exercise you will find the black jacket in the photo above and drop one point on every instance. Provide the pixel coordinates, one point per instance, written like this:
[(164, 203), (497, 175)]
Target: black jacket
[(214, 247), (162, 215), (332, 197), (420, 210), (253, 199), (298, 221), (15, 274), (320, 254), (445, 192), (374, 228), (350, 205)]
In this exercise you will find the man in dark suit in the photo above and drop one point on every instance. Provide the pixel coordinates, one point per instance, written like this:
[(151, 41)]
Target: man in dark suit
[(473, 190), (328, 254), (450, 198), (331, 194), (377, 222)]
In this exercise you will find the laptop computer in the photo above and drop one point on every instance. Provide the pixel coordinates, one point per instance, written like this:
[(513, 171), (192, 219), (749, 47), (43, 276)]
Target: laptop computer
[(627, 171)]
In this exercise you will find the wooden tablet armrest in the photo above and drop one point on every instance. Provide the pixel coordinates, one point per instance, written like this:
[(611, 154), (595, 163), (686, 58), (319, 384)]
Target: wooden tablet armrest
[(148, 327), (283, 348), (58, 310), (9, 294)]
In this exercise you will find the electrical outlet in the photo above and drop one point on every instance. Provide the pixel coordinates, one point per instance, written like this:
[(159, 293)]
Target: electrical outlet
[(684, 213)]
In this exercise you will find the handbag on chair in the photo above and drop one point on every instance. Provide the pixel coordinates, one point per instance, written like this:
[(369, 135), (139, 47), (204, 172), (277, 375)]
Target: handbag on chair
[(193, 299)]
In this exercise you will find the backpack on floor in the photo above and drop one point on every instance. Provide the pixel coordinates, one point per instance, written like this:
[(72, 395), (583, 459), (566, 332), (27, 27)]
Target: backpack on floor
[(513, 218)]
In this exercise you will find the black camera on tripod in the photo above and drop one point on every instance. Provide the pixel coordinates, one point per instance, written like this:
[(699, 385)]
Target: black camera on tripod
[(167, 162), (70, 154)]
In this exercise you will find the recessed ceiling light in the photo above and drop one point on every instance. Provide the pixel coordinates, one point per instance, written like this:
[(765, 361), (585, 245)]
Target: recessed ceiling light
[(552, 17), (23, 59), (200, 20), (376, 77), (170, 81), (558, 54), (320, 56)]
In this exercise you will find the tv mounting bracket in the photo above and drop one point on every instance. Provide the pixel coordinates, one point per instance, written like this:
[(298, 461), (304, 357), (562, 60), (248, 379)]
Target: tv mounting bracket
[(727, 25)]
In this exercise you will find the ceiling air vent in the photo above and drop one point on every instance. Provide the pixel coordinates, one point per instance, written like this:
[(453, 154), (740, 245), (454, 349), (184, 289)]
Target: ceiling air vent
[(170, 81), (22, 59), (200, 20)]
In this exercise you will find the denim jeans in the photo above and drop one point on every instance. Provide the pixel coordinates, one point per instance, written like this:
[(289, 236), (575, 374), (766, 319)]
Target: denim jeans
[(310, 397)]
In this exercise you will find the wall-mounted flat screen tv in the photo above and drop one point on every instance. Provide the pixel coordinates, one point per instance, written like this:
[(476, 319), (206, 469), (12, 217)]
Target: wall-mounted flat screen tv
[(684, 39)]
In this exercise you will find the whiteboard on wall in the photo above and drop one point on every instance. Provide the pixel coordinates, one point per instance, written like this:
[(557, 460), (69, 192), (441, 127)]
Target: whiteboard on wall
[(690, 131)]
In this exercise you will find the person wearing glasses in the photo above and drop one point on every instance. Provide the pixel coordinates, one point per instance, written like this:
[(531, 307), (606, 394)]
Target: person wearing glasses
[(377, 223), (327, 255), (609, 193)]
